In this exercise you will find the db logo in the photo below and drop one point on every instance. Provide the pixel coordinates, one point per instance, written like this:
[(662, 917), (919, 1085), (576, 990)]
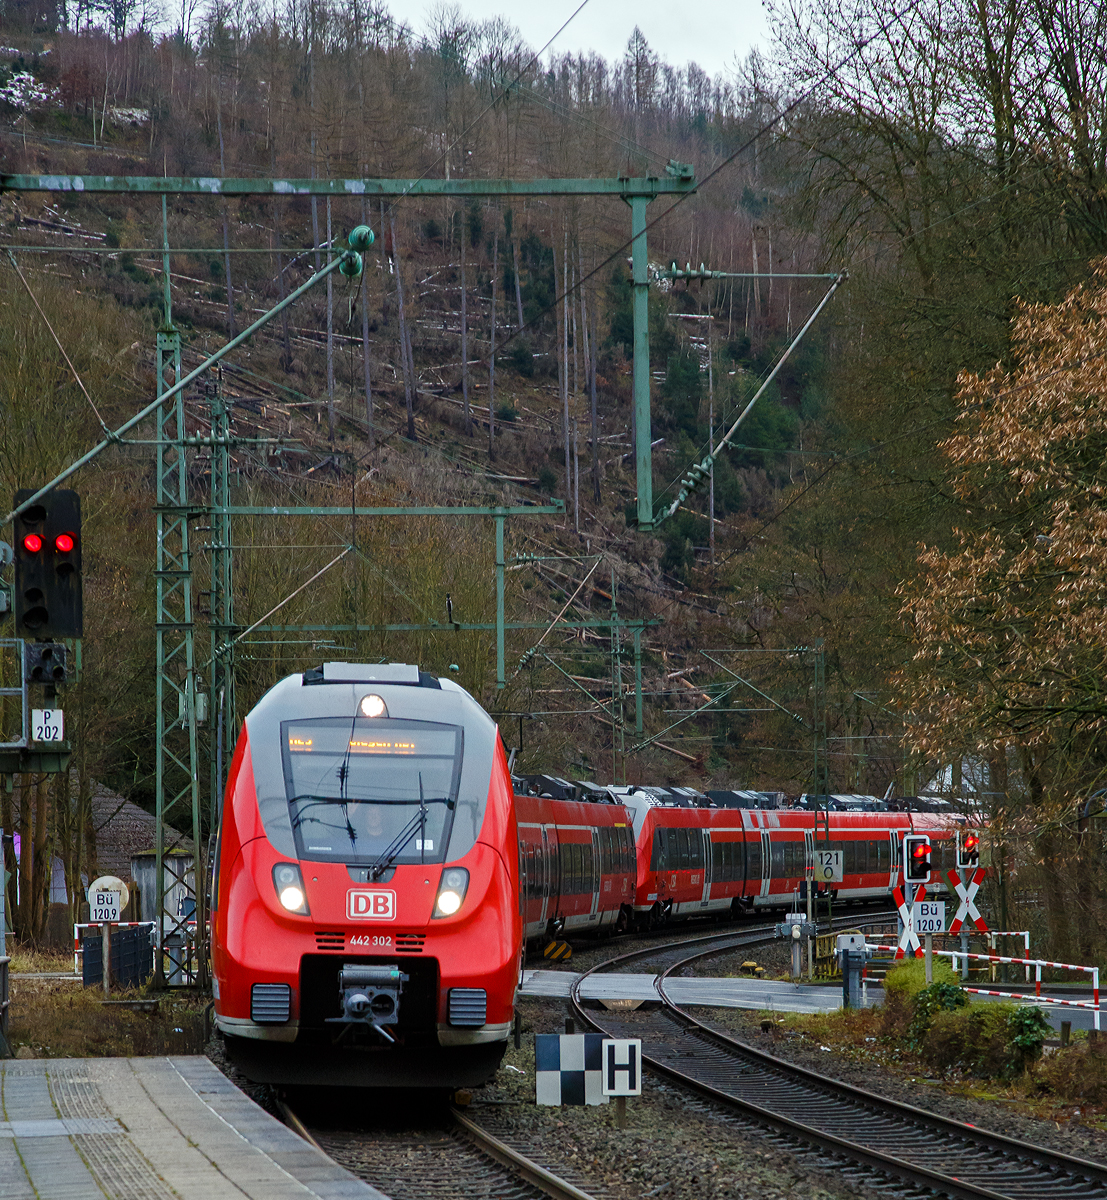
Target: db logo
[(370, 905)]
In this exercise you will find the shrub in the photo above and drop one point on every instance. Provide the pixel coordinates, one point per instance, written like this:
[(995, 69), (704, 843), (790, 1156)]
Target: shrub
[(895, 1016), (1027, 1028), (1077, 1074), (909, 978), (932, 1000), (988, 1040), (521, 358), (547, 481)]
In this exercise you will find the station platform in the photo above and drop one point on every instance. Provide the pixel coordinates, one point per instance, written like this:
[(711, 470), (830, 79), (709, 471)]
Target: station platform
[(151, 1129), (757, 994)]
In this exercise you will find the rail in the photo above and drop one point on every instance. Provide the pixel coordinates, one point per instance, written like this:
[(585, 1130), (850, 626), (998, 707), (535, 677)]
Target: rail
[(894, 1139), (538, 1177)]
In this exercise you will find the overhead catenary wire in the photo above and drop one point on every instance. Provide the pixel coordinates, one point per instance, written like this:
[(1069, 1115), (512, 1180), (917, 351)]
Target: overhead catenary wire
[(57, 341)]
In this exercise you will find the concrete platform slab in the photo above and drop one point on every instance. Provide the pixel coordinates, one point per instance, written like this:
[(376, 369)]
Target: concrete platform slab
[(151, 1129), (716, 993)]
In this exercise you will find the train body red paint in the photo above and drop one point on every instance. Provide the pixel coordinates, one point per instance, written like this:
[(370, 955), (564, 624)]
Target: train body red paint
[(366, 919), (707, 861)]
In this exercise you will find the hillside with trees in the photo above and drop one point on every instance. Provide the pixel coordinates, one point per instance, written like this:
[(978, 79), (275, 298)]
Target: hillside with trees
[(950, 158)]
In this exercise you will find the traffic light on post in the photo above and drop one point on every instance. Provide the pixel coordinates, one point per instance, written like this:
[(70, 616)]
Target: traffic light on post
[(968, 850), (48, 599), (916, 858)]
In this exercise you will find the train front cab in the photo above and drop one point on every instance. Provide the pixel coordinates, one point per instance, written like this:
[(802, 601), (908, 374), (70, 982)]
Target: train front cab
[(280, 975)]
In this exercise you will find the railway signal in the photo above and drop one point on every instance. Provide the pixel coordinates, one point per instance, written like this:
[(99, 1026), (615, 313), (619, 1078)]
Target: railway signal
[(968, 850), (916, 858), (48, 596)]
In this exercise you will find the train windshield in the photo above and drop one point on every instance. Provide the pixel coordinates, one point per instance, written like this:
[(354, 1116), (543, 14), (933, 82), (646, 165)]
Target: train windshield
[(371, 791)]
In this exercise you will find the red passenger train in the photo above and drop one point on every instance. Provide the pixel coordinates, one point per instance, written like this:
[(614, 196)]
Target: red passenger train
[(367, 925), (379, 872)]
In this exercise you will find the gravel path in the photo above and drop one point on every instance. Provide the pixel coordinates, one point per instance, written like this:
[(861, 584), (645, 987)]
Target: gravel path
[(674, 1145)]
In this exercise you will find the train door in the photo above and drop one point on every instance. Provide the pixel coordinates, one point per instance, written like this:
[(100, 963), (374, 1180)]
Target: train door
[(766, 863), (707, 867), (894, 843), (597, 873), (547, 872), (809, 854)]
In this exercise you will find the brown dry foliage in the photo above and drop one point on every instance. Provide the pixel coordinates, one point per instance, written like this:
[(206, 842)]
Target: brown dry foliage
[(66, 1020), (1009, 627)]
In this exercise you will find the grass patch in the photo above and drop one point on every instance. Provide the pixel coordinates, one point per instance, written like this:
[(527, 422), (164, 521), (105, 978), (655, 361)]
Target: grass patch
[(26, 959), (55, 1019)]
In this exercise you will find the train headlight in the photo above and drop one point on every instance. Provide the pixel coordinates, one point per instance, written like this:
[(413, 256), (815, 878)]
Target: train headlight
[(290, 888), (373, 706), (451, 891)]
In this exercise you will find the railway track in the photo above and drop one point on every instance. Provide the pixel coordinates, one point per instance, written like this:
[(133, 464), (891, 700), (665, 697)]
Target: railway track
[(449, 1158), (894, 1140)]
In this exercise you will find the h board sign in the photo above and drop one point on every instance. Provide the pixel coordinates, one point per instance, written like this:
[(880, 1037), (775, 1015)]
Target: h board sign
[(622, 1066), (568, 1068)]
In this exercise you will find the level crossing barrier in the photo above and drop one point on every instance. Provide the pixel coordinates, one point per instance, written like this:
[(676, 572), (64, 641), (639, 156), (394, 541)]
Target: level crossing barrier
[(1006, 933), (1037, 964)]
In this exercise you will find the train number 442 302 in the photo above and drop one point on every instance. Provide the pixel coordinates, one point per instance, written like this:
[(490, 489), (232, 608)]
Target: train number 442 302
[(382, 940)]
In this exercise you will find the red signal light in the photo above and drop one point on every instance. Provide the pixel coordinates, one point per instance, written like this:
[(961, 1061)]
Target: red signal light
[(921, 850), (64, 543), (971, 841), (32, 543)]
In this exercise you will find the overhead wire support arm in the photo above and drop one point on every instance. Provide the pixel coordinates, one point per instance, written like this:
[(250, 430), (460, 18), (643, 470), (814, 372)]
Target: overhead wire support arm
[(349, 262), (695, 712), (679, 179), (756, 690), (700, 471)]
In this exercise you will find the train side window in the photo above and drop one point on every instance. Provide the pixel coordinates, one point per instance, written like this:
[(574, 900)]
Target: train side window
[(753, 859), (629, 863), (657, 858), (695, 836), (718, 858), (684, 857)]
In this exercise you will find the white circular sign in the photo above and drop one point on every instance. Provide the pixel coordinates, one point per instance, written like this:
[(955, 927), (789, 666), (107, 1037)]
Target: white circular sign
[(111, 883)]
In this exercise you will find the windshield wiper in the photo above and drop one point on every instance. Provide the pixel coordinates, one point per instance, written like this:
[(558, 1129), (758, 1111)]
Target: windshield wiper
[(398, 843)]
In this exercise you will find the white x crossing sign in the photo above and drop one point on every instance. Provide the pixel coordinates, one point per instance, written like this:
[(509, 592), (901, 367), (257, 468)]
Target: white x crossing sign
[(966, 893), (908, 939), (622, 1066)]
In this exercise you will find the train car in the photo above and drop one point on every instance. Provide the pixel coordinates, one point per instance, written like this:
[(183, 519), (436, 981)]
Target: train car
[(708, 860), (576, 864), (366, 915)]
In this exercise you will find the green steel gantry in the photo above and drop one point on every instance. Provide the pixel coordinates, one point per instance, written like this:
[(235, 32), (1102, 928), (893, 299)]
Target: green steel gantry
[(678, 180), (179, 695)]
